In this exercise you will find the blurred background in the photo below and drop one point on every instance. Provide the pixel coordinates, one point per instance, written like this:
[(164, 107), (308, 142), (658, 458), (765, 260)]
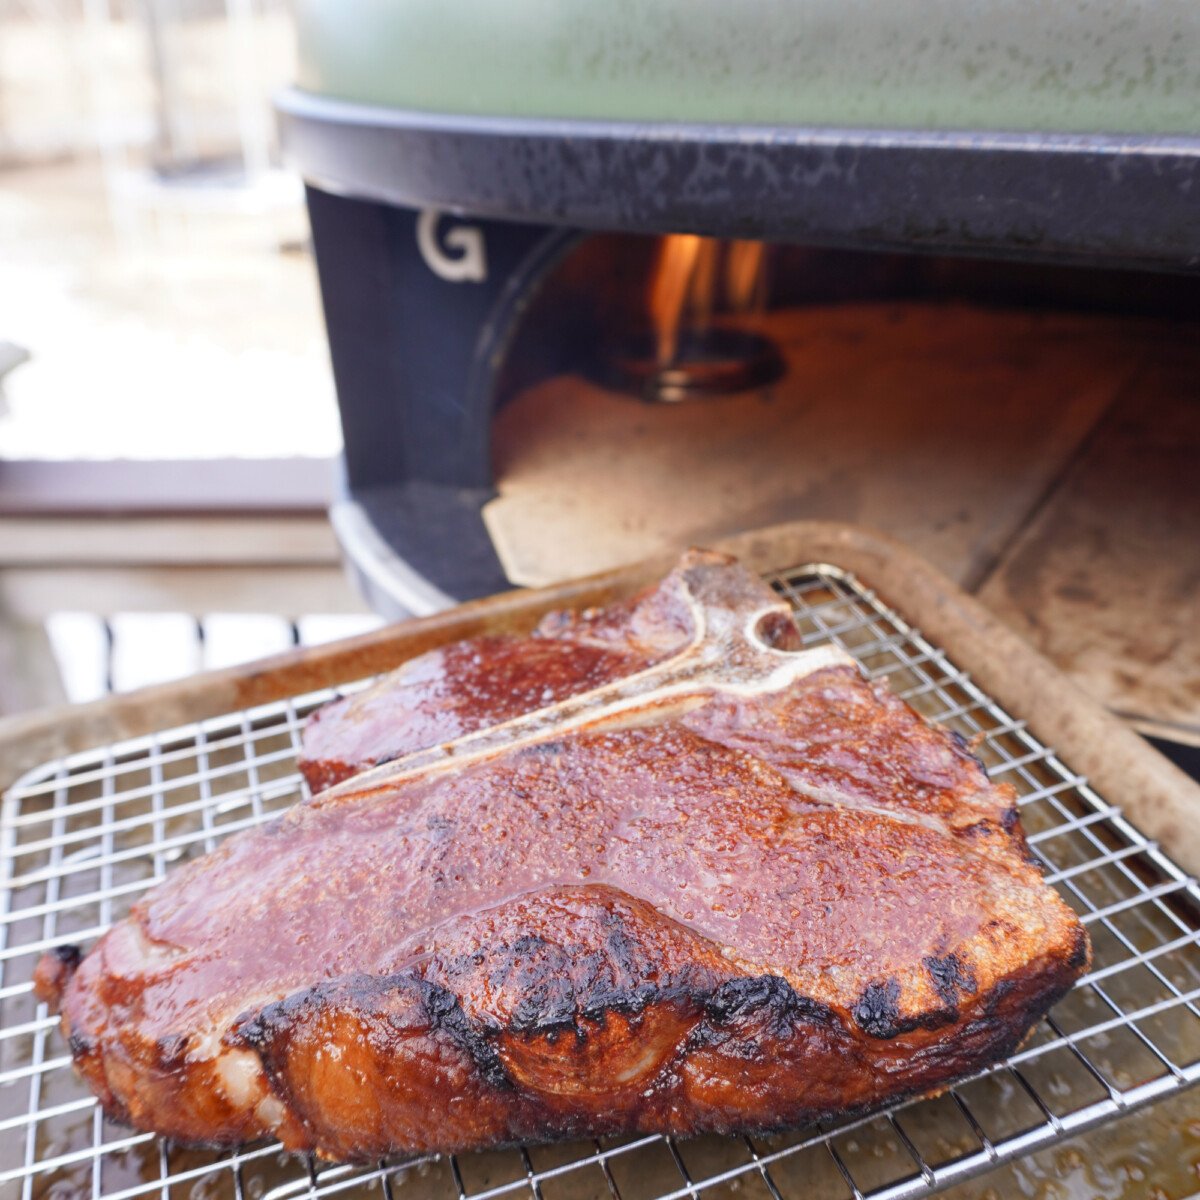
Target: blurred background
[(146, 220), (161, 344)]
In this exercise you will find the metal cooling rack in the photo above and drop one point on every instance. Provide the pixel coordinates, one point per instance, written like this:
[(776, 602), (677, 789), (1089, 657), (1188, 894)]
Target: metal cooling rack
[(81, 839)]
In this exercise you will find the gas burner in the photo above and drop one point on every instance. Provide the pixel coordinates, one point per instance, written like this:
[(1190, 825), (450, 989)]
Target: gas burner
[(712, 362)]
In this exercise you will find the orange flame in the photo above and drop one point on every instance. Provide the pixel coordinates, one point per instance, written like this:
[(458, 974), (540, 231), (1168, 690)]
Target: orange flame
[(690, 273), (678, 254)]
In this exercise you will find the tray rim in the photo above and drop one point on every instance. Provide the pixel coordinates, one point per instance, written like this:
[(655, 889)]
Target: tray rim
[(1162, 801)]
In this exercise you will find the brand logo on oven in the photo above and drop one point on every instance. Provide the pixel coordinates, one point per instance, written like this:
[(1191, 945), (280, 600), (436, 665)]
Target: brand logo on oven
[(469, 262)]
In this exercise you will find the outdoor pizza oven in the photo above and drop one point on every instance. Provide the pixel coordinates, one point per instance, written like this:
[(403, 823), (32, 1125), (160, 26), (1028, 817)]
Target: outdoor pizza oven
[(645, 230)]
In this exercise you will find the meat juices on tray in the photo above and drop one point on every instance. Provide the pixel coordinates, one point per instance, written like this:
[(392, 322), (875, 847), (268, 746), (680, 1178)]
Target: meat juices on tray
[(767, 901)]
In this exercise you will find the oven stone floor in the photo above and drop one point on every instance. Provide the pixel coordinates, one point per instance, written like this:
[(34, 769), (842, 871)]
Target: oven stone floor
[(1046, 462)]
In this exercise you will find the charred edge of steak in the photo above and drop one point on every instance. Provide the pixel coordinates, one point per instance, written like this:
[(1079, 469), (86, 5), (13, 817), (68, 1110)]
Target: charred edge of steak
[(754, 994), (767, 1000), (1081, 950), (877, 1012), (53, 973), (967, 748), (257, 1029), (441, 1008), (172, 1050), (552, 1011), (581, 992), (1000, 1048), (952, 978), (80, 1044), (445, 1013), (553, 1006), (768, 1003)]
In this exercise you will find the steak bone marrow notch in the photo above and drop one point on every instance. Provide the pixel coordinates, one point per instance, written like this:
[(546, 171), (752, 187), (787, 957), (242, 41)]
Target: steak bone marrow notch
[(647, 869)]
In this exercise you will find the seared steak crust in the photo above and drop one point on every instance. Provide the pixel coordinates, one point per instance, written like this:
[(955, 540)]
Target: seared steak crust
[(466, 686), (745, 913)]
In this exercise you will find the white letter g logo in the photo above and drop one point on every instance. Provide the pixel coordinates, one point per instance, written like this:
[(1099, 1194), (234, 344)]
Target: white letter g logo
[(470, 265)]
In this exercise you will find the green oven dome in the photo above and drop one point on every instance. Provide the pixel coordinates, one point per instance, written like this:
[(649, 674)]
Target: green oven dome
[(1089, 66)]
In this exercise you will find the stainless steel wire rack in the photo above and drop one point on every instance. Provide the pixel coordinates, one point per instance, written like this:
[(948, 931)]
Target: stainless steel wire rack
[(82, 838)]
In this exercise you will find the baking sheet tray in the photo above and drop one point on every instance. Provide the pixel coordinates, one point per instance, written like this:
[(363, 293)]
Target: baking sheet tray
[(81, 837)]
